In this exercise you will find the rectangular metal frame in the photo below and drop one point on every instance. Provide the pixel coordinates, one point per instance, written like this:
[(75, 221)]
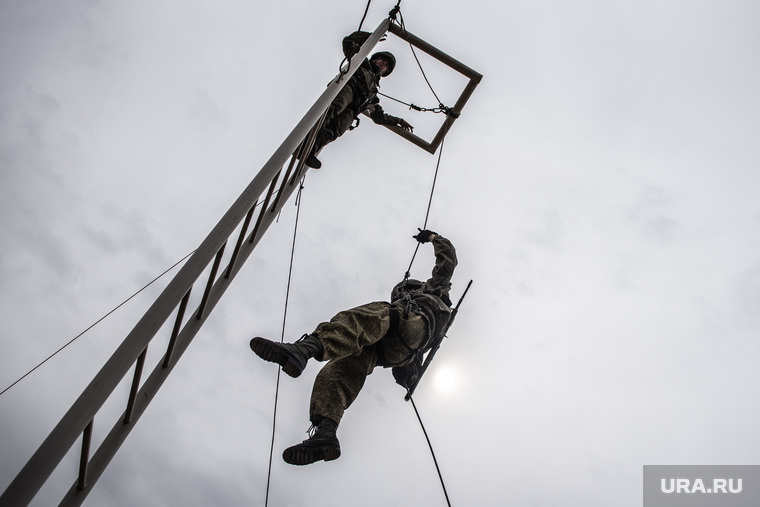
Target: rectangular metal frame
[(473, 76)]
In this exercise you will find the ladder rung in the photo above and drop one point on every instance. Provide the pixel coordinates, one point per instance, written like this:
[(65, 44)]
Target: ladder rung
[(210, 283), (85, 458), (264, 206), (177, 326), (240, 240), (285, 178), (135, 385)]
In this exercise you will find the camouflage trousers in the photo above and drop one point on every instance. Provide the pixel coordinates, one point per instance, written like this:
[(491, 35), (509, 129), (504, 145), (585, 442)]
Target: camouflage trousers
[(354, 342), (340, 116)]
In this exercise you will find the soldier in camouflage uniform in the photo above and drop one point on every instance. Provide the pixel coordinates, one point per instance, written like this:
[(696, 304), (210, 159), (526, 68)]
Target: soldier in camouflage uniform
[(392, 335), (357, 96)]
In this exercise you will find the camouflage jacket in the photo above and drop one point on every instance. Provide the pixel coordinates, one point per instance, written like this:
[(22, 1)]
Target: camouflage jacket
[(431, 298), (365, 83)]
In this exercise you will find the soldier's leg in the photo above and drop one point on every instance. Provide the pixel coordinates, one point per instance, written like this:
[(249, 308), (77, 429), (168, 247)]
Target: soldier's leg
[(327, 133), (349, 331), (338, 384), (335, 388), (335, 125), (345, 335), (340, 103), (342, 122)]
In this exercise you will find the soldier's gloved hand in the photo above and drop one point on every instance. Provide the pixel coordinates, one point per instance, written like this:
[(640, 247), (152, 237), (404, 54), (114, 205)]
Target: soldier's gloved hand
[(425, 236), (405, 125), (405, 376)]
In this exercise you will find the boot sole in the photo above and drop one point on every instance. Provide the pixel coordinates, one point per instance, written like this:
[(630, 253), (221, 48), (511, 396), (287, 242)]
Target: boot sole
[(269, 351), (313, 164), (307, 455)]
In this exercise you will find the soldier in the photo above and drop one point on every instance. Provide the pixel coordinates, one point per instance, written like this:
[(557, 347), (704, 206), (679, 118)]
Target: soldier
[(392, 335), (357, 96)]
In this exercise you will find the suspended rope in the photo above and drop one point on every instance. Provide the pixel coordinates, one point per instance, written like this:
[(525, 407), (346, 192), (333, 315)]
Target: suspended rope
[(365, 15), (345, 64), (282, 336), (442, 108), (96, 323), (427, 213), (414, 53), (395, 10), (408, 274), (430, 445), (406, 279)]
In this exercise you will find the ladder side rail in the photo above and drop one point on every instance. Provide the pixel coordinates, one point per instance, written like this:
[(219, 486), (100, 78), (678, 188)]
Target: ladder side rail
[(121, 429), (33, 475), (53, 449)]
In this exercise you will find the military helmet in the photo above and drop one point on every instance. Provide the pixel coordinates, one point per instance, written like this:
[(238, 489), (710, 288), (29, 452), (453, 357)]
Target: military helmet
[(403, 287), (388, 57)]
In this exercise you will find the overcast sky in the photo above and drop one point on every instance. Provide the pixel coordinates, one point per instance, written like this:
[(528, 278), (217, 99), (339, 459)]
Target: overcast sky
[(601, 188)]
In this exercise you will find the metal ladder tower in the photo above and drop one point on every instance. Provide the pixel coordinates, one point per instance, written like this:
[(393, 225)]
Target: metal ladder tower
[(131, 354)]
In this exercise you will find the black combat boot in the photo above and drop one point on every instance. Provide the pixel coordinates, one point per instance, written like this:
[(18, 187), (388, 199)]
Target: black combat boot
[(321, 445), (291, 356), (313, 161), (323, 137)]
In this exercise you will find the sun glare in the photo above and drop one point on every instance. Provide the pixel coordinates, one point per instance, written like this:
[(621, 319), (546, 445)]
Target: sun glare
[(446, 379)]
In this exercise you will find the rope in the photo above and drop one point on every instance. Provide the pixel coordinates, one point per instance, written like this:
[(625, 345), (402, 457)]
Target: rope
[(442, 108), (395, 11), (427, 213), (347, 61), (96, 323), (104, 316), (282, 336), (440, 476), (365, 15), (414, 53)]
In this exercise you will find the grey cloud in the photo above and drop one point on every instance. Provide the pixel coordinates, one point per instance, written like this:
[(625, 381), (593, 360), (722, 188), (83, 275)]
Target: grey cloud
[(549, 232), (747, 291), (605, 301), (205, 110), (650, 214)]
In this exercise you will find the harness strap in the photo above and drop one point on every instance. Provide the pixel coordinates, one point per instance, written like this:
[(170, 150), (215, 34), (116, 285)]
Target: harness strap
[(395, 317)]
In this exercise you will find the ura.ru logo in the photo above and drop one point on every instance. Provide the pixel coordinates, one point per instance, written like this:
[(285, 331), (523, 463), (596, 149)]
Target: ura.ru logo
[(698, 486)]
